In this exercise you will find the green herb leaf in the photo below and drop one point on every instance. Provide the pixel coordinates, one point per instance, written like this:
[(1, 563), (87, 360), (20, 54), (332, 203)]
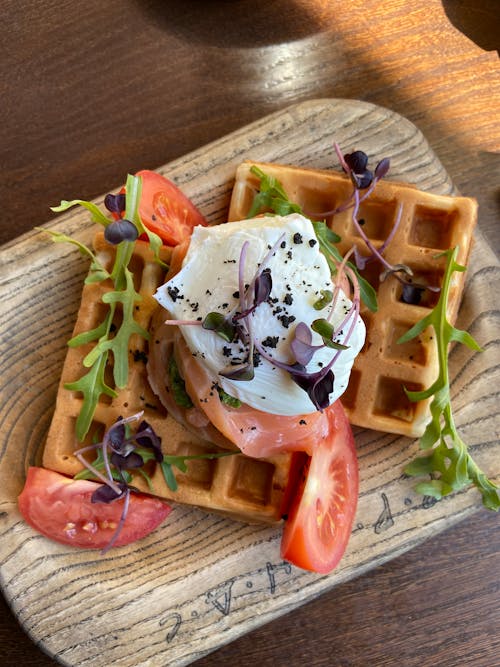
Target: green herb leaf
[(271, 196), (119, 344), (326, 330), (133, 188), (447, 458), (178, 386), (179, 462), (220, 324), (227, 399), (97, 215), (169, 476), (324, 300), (92, 386)]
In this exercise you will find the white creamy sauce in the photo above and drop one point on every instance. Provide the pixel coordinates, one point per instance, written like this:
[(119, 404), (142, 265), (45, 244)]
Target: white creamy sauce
[(208, 282)]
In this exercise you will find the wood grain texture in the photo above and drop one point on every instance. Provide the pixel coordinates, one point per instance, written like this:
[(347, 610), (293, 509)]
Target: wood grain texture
[(200, 580), (92, 90)]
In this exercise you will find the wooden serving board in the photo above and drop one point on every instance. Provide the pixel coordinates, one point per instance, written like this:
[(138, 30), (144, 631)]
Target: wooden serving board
[(200, 580)]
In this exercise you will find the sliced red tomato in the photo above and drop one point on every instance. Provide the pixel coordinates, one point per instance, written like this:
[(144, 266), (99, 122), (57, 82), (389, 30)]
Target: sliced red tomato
[(165, 210), (60, 508), (322, 512)]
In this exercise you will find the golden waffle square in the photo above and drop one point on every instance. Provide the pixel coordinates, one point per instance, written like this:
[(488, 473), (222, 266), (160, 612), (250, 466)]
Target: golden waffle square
[(248, 489), (429, 225)]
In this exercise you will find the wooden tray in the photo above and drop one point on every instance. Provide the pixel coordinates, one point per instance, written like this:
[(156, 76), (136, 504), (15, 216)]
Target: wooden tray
[(201, 581)]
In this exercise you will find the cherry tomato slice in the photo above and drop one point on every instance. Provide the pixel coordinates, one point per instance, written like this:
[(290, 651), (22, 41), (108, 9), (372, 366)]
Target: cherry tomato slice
[(165, 210), (60, 508), (322, 512)]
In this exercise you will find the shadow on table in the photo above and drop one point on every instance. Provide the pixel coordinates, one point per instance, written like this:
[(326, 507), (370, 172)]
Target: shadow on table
[(235, 23), (480, 23)]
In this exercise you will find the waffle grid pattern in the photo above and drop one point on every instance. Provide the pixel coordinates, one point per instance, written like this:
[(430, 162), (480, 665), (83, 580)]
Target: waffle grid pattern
[(429, 225), (244, 488)]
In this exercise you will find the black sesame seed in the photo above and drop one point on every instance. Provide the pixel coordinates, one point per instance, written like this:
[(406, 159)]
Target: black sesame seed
[(270, 341)]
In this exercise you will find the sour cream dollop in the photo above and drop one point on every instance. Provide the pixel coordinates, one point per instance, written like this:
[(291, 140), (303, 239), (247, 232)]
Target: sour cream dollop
[(208, 282)]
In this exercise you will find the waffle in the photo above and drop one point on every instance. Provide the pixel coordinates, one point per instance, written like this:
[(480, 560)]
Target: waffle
[(249, 489), (429, 225)]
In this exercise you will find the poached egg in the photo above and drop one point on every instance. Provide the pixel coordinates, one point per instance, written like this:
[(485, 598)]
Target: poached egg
[(209, 283)]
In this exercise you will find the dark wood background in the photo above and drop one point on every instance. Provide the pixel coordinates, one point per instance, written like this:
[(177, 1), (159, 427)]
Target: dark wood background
[(92, 90)]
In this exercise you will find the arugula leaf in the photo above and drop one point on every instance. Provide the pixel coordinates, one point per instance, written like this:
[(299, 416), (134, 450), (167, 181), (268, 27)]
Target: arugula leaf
[(122, 299), (133, 188), (92, 385), (447, 459), (97, 214), (270, 196)]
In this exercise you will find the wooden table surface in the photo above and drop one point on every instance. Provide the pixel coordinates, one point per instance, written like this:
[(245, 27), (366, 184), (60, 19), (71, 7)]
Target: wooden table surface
[(89, 91)]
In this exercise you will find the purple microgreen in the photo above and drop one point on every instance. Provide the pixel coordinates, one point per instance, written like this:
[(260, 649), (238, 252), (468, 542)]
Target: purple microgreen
[(105, 494), (301, 344), (120, 230), (128, 462), (263, 286), (318, 386), (146, 437), (393, 230), (412, 294), (243, 373), (115, 203), (120, 523), (356, 161), (382, 168), (122, 450), (396, 268), (184, 323)]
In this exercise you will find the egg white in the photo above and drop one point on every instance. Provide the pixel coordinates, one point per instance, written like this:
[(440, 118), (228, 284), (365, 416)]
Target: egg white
[(208, 282)]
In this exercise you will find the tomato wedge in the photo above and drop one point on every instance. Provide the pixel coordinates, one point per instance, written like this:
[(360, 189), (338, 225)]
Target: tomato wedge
[(61, 509), (165, 210), (322, 512)]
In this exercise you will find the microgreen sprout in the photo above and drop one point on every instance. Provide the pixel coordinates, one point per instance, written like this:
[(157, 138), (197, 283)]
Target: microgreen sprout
[(355, 166), (122, 451), (277, 201), (446, 458)]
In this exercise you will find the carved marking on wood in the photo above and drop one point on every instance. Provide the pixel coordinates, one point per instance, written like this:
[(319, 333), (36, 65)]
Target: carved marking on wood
[(220, 597), (272, 570), (175, 627), (385, 520)]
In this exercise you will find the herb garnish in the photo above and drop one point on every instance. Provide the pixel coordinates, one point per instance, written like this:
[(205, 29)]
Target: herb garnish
[(271, 196), (237, 325), (120, 452), (446, 457), (110, 338)]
